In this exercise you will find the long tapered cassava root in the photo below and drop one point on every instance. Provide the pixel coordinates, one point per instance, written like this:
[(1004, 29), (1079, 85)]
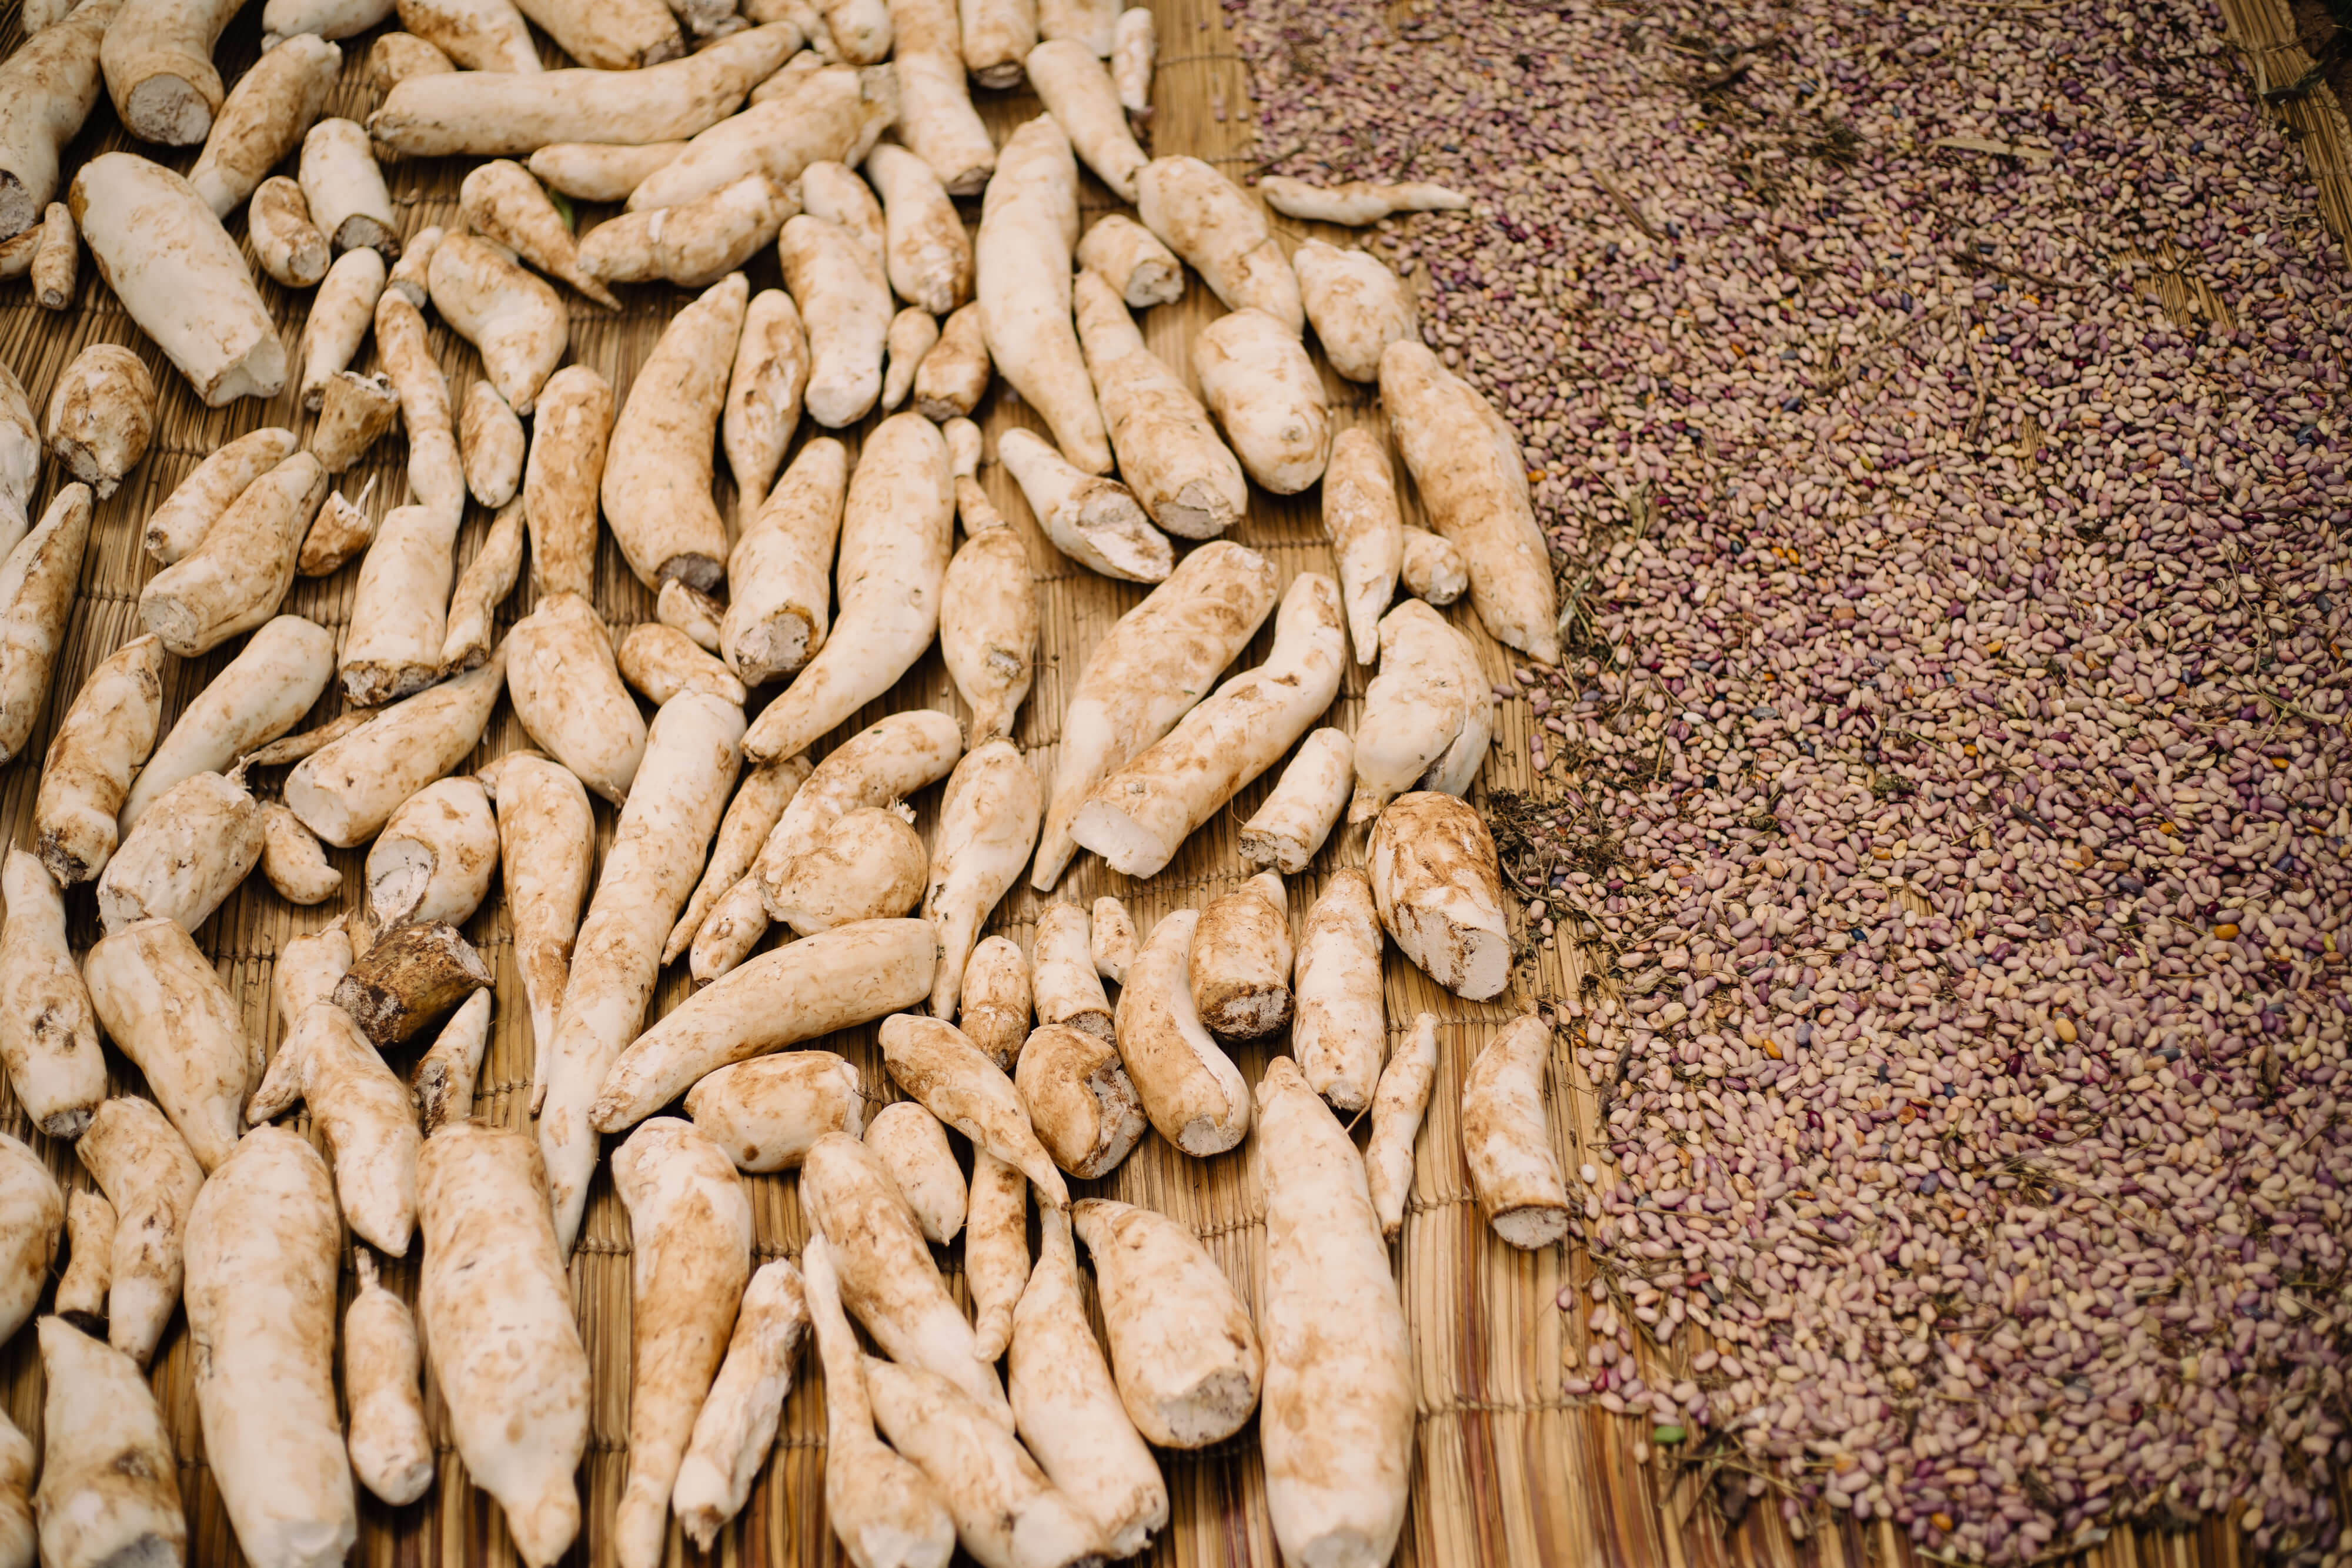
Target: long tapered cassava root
[(1513, 1167), (988, 824), (1139, 816), (1397, 1108), (1256, 378), (47, 88), (844, 294), (1068, 1408), (690, 1243), (1466, 461), (995, 1250), (1341, 1035), (341, 312), (1077, 91), (1439, 890), (265, 118), (1428, 692), (261, 1251), (496, 1314), (150, 1179), (1154, 664), (656, 488), (1097, 522), (49, 1033), (882, 1509), (348, 789), (179, 525), (37, 590), (1190, 1088), (100, 743), (1367, 532), (163, 1006), (825, 115), (694, 243), (571, 438), (779, 592), (1184, 475), (509, 115), (947, 1074), (1029, 221), (925, 249), (888, 1279), (846, 975), (391, 1449), (692, 753), (1182, 1350), (1337, 1426), (936, 117), (1289, 829), (1358, 202), (1206, 219), (763, 403), (912, 1146), (897, 527), (237, 576), (547, 844), (736, 1425), (175, 269), (565, 685), (484, 585), (988, 603)]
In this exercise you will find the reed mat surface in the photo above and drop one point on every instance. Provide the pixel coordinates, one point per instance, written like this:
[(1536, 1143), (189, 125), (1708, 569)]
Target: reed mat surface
[(1507, 1470)]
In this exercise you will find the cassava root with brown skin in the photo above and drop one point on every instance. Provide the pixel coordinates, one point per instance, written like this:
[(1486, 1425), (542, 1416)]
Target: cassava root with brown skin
[(410, 978), (49, 1031), (912, 1146)]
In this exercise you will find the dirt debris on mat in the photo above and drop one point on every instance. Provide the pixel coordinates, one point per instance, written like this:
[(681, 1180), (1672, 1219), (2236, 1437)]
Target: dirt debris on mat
[(1938, 415)]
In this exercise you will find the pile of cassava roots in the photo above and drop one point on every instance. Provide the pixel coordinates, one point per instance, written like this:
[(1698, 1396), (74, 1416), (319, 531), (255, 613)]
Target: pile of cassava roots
[(756, 831)]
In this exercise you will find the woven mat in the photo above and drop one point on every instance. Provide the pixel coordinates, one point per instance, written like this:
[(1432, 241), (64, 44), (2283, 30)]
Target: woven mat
[(1506, 1471)]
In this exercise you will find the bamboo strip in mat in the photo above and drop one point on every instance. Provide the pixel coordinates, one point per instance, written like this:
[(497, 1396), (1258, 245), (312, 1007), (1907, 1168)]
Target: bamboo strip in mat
[(1507, 1470)]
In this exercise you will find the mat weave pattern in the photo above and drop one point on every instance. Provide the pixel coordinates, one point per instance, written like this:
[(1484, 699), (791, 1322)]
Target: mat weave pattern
[(1507, 1470)]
